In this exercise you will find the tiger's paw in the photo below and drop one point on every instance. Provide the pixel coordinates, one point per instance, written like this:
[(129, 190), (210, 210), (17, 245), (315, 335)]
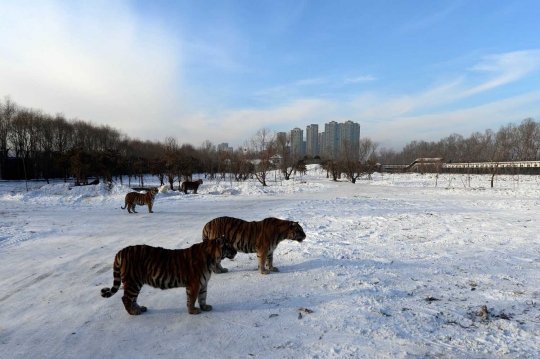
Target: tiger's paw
[(194, 311), (264, 271), (274, 269), (137, 310), (206, 307)]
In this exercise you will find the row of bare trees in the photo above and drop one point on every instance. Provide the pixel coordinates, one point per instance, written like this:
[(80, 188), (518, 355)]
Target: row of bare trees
[(350, 161), (35, 145), (512, 142)]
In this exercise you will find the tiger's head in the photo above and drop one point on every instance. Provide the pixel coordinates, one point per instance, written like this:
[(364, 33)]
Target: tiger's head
[(295, 232), (224, 249), (153, 191)]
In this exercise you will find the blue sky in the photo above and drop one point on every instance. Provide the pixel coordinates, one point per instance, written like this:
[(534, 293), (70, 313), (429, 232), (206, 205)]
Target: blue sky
[(221, 70)]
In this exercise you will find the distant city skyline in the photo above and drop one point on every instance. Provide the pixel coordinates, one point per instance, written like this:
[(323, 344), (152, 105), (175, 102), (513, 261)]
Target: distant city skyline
[(316, 143)]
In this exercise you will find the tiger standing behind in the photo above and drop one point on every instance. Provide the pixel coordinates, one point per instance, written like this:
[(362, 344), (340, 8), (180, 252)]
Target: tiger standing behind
[(191, 186), (167, 268), (261, 237), (133, 199)]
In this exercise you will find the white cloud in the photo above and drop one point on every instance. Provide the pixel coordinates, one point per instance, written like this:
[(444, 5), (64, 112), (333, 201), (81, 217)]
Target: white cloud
[(290, 89), (391, 120), (96, 61), (397, 131), (494, 71), (430, 20), (236, 126), (360, 79), (505, 68)]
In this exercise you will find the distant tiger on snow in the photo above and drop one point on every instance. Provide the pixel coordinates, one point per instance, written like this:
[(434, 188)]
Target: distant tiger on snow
[(134, 198), (191, 186), (167, 268), (261, 237)]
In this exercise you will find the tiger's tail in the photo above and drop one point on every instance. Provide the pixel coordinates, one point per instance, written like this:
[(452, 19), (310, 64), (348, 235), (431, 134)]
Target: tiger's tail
[(125, 205), (109, 292)]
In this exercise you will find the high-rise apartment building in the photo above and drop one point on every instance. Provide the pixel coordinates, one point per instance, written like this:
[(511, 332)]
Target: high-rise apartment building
[(349, 135), (224, 147), (331, 130), (336, 135), (322, 141), (325, 144), (297, 142), (312, 140), (281, 137)]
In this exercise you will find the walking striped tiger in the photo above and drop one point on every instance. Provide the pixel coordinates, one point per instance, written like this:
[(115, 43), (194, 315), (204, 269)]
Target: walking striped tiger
[(134, 198), (163, 268), (261, 237)]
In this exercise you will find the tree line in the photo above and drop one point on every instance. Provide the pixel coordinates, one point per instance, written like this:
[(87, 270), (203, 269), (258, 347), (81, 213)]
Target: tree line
[(512, 142), (36, 145)]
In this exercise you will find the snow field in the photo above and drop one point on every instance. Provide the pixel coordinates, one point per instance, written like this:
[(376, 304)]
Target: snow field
[(393, 267)]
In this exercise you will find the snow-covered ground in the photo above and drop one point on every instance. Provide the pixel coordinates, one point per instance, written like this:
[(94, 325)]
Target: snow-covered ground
[(399, 266)]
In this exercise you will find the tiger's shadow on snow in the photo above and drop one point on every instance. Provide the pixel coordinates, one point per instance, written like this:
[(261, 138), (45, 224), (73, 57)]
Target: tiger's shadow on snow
[(262, 302), (312, 264)]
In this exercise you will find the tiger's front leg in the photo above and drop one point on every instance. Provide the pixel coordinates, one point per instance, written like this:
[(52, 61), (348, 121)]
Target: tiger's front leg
[(192, 292), (202, 299), (150, 208), (270, 262), (261, 259)]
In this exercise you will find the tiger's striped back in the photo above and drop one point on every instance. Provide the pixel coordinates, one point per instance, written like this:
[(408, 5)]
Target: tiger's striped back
[(241, 234), (261, 237), (167, 268)]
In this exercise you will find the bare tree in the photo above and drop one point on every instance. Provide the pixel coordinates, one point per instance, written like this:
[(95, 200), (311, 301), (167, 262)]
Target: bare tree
[(349, 161), (171, 160), (283, 150), (189, 162), (330, 163), (263, 147), (7, 112), (527, 138), (240, 165), (158, 168), (44, 155), (208, 159), (354, 158)]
